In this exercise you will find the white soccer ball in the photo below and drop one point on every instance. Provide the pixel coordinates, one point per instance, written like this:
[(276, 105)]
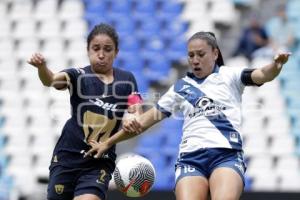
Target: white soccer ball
[(134, 175)]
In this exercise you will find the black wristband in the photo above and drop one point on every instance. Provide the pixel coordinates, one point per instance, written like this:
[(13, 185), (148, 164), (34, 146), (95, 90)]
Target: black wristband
[(246, 78)]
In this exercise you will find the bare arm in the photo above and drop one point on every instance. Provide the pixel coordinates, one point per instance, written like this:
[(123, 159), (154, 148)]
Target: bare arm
[(47, 77), (146, 120), (270, 71)]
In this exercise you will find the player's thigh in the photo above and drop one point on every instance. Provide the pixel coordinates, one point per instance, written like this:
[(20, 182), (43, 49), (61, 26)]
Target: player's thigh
[(87, 197), (192, 188), (225, 184), (93, 183), (61, 183)]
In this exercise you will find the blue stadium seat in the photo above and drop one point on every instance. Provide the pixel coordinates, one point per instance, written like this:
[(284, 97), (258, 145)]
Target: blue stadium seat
[(144, 6), (177, 49), (125, 27), (142, 82), (292, 9), (164, 179), (248, 183), (174, 29), (120, 6), (6, 183), (95, 6), (129, 61), (129, 43), (94, 19), (171, 6), (158, 68), (153, 47), (147, 29)]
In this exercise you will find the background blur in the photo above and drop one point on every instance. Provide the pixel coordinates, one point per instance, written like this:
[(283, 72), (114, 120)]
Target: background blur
[(153, 36)]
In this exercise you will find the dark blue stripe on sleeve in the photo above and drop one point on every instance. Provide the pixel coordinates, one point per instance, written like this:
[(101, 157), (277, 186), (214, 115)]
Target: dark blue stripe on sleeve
[(164, 111)]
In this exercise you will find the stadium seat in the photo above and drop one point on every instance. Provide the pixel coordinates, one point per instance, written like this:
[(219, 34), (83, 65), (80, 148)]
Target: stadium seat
[(120, 6), (71, 10), (95, 6), (287, 164), (177, 49), (45, 10), (145, 6), (265, 181), (153, 47), (7, 184), (24, 29), (75, 29), (282, 146), (258, 145), (26, 48), (173, 29), (158, 69), (222, 13), (290, 182), (147, 29), (125, 27), (50, 29), (168, 11), (76, 48), (21, 10)]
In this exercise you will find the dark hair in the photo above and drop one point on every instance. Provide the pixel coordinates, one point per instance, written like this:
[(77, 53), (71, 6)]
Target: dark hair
[(103, 29), (211, 40)]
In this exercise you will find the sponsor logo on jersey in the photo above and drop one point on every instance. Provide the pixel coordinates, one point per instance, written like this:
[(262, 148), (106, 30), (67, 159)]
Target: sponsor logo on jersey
[(206, 106), (104, 105)]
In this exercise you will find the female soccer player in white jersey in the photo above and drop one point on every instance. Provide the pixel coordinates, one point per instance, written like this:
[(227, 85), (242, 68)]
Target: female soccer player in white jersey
[(211, 156)]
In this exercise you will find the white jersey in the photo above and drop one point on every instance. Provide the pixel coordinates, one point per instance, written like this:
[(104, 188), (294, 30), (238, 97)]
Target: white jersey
[(211, 108)]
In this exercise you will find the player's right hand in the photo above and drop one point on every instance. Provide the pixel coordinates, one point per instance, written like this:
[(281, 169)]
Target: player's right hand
[(132, 125), (97, 149), (37, 60)]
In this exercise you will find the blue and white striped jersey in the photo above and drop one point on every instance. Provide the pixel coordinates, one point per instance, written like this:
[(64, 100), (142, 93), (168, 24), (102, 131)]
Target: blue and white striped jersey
[(211, 108)]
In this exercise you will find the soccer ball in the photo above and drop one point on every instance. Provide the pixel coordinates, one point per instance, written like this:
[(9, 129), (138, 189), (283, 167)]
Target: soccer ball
[(134, 175)]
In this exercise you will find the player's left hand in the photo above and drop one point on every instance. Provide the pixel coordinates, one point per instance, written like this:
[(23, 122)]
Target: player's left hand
[(98, 148), (281, 58), (131, 124)]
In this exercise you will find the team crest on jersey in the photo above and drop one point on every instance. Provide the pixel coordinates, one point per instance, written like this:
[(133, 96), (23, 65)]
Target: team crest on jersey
[(206, 106), (59, 189)]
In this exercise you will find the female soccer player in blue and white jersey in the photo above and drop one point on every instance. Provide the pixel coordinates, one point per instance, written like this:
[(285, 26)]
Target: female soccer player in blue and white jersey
[(99, 95), (211, 157)]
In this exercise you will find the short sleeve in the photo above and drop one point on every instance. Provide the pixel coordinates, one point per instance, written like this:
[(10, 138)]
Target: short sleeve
[(169, 103), (72, 76), (233, 76), (133, 86)]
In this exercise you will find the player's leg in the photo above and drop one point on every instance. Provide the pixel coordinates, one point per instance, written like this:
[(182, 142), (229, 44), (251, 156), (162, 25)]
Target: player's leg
[(191, 183), (192, 188), (87, 197), (93, 183), (225, 184), (61, 183), (226, 180)]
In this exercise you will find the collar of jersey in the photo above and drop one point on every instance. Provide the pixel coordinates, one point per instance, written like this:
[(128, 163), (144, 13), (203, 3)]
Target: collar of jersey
[(200, 80)]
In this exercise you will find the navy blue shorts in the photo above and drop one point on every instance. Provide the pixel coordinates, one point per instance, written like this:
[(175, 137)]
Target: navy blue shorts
[(67, 183), (203, 162)]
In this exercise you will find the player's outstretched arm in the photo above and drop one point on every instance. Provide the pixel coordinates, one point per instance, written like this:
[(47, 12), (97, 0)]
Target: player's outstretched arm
[(270, 71), (47, 77), (145, 121)]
